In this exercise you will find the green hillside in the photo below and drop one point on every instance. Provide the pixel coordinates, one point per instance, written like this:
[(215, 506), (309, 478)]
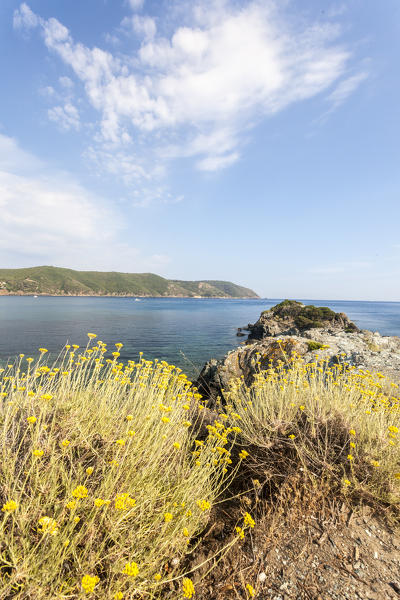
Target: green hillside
[(57, 281)]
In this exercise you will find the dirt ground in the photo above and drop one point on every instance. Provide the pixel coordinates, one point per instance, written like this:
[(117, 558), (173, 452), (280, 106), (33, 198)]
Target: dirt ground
[(346, 554)]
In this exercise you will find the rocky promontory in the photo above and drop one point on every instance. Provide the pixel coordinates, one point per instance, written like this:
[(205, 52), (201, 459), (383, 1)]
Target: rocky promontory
[(291, 327)]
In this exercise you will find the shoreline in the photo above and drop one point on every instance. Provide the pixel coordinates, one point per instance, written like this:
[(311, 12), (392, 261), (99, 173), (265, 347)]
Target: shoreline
[(41, 295)]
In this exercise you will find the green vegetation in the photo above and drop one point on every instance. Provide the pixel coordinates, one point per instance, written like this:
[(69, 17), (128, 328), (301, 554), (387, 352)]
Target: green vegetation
[(310, 316), (312, 345), (59, 281)]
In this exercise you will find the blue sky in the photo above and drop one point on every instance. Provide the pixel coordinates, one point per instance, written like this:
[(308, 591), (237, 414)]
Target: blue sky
[(251, 141)]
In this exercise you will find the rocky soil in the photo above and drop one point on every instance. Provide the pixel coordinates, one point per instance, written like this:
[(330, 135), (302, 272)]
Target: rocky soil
[(352, 556)]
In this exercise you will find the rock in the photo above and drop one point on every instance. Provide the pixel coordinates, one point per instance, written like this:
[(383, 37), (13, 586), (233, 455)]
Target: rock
[(292, 318), (277, 336)]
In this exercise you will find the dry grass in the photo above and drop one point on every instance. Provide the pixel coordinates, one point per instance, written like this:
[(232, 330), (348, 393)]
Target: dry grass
[(332, 424), (107, 491), (99, 469)]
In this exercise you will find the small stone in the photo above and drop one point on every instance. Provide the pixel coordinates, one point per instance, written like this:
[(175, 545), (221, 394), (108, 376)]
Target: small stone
[(262, 577)]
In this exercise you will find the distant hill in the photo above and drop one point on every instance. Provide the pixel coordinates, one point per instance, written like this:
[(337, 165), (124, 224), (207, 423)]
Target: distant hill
[(56, 281)]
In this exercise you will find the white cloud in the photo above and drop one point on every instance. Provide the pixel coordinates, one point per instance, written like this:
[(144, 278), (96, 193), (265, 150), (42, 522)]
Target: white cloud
[(48, 91), (66, 82), (66, 116), (228, 67), (136, 4), (24, 18), (215, 163), (141, 25), (15, 160), (345, 88), (48, 218)]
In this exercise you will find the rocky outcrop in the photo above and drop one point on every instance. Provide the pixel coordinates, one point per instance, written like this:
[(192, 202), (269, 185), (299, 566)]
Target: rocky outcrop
[(293, 318), (277, 335)]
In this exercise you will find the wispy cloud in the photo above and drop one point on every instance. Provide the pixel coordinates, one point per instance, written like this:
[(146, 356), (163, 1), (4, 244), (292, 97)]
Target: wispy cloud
[(199, 90), (47, 213), (346, 88), (66, 116)]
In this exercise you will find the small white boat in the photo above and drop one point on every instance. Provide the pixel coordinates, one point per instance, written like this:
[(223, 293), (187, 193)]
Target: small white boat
[(35, 296), (137, 299)]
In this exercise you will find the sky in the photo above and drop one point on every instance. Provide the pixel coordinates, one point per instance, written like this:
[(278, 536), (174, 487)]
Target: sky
[(253, 141)]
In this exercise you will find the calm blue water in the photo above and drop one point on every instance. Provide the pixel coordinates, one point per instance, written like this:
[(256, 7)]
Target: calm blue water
[(185, 332)]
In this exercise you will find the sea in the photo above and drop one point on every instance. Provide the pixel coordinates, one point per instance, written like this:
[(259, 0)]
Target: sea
[(185, 332)]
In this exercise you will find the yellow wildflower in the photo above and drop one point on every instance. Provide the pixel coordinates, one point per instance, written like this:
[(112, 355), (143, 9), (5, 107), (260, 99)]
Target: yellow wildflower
[(89, 470), (168, 517), (243, 454), (131, 569), (88, 583), (248, 520), (176, 445), (10, 506), (129, 417), (43, 350), (38, 452), (92, 335), (80, 492), (124, 501), (118, 596), (203, 505), (240, 532), (185, 532), (120, 442), (31, 420), (71, 504), (65, 443), (250, 590), (187, 588), (157, 576), (48, 525)]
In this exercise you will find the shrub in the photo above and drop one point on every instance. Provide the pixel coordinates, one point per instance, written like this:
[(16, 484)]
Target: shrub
[(330, 424), (102, 483), (312, 345)]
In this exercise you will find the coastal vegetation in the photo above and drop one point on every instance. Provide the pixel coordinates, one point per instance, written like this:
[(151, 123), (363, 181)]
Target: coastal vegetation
[(113, 474), (58, 281)]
